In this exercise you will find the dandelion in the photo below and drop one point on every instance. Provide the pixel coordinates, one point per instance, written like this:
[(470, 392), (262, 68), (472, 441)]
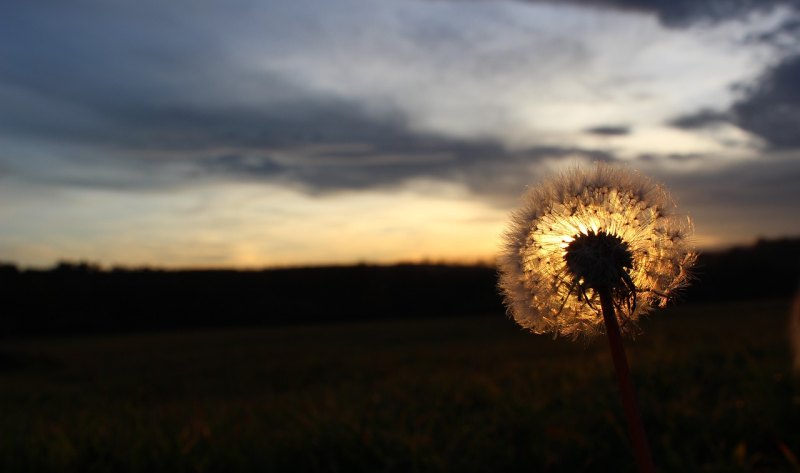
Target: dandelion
[(587, 230), (592, 251)]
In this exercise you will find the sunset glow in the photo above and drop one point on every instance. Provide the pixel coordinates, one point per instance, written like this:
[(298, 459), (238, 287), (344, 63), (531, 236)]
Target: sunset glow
[(302, 133)]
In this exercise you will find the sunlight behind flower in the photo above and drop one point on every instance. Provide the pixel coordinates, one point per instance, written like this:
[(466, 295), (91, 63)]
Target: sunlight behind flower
[(542, 292)]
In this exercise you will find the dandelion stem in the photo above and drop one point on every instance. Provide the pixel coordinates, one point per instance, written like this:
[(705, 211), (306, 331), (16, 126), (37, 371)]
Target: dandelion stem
[(641, 448)]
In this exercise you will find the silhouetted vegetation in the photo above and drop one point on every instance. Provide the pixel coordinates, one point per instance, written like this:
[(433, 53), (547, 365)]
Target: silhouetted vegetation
[(770, 268), (83, 298), (450, 393), (455, 394)]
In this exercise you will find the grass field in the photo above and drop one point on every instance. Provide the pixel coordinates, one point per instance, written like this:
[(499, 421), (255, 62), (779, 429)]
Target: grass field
[(470, 394)]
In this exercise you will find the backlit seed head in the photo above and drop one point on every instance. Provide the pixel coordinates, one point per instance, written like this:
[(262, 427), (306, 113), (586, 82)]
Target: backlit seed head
[(603, 227)]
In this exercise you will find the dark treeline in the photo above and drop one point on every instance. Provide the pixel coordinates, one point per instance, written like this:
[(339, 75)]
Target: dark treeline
[(83, 298)]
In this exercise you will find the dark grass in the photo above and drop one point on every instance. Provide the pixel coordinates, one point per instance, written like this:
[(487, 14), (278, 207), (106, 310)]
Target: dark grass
[(471, 394)]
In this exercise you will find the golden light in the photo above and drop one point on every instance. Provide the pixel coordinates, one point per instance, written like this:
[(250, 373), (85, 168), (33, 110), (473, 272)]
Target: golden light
[(544, 294)]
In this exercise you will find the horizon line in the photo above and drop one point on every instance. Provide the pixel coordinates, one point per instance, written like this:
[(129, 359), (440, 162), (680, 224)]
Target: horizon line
[(487, 262)]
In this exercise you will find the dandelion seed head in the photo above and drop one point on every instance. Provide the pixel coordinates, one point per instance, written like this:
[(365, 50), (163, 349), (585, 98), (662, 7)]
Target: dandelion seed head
[(600, 227)]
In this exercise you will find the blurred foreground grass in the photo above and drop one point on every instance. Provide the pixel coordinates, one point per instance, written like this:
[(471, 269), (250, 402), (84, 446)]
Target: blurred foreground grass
[(472, 394)]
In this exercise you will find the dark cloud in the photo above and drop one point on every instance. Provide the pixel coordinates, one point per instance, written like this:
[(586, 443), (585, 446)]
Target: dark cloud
[(301, 138), (758, 195), (105, 52), (701, 119), (771, 106), (484, 167), (146, 96), (81, 72), (683, 13), (609, 130), (783, 37), (674, 157)]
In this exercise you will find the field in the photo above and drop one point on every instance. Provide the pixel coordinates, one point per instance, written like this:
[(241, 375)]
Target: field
[(458, 394)]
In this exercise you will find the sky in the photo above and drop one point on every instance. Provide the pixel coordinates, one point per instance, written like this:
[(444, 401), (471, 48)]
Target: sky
[(194, 133)]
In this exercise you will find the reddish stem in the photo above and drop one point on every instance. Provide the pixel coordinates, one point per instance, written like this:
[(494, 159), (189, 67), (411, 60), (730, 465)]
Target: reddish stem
[(641, 448)]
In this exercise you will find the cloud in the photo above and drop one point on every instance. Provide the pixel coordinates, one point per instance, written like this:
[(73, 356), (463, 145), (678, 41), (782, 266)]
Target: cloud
[(783, 36), (125, 117), (484, 167), (310, 141), (92, 98), (684, 13), (121, 95), (771, 106), (701, 119), (609, 130), (734, 202)]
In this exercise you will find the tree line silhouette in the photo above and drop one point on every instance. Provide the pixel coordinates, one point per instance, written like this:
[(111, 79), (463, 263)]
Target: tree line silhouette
[(85, 298)]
